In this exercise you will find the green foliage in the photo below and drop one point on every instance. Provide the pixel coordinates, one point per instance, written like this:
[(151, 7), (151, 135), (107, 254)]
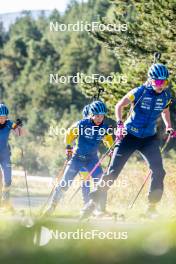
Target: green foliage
[(148, 243), (29, 52), (150, 27)]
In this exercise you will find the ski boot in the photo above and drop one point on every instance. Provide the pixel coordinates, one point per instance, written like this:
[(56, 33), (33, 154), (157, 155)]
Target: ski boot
[(7, 207), (87, 210), (151, 212)]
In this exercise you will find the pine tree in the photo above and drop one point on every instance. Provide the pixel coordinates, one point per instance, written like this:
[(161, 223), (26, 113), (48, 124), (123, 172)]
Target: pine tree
[(150, 27)]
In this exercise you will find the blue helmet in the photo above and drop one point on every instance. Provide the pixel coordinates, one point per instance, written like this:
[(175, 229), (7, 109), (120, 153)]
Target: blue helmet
[(158, 71), (85, 111), (4, 111), (98, 108)]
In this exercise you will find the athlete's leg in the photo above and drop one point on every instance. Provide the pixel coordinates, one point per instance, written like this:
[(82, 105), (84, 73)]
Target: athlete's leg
[(6, 176), (121, 154), (70, 172), (152, 154), (96, 175), (85, 184)]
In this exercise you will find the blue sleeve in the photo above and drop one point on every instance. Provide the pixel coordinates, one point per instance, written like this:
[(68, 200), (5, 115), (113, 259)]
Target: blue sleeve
[(135, 94), (10, 124)]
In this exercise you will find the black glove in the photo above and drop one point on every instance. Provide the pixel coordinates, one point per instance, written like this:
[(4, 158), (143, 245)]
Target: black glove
[(19, 122), (69, 152)]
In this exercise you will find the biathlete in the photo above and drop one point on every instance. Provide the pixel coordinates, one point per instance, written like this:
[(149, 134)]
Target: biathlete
[(87, 135), (149, 101), (6, 126)]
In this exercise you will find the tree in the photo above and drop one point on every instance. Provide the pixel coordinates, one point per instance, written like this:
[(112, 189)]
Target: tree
[(149, 28)]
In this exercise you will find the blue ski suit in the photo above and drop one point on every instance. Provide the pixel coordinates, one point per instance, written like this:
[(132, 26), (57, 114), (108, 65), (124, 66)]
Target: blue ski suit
[(141, 136), (87, 137), (5, 153)]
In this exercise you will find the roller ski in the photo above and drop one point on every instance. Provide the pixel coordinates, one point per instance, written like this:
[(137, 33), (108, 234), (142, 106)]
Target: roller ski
[(151, 213), (88, 210)]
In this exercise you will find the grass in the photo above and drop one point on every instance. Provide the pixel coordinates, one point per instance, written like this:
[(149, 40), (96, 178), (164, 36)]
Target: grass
[(147, 241), (120, 194), (151, 243)]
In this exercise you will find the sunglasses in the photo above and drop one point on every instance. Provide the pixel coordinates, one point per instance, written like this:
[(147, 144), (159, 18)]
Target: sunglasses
[(159, 83)]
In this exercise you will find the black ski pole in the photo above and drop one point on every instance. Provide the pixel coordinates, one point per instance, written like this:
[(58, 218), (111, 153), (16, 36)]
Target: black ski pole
[(148, 175)]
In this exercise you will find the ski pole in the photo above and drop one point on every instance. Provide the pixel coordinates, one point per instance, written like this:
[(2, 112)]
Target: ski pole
[(145, 180), (166, 143), (149, 174), (100, 90), (94, 168), (19, 125), (100, 161), (26, 183), (53, 188), (74, 194)]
